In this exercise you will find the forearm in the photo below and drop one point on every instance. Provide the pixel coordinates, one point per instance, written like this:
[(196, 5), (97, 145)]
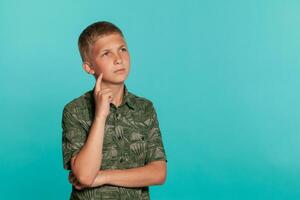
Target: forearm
[(88, 161), (151, 174)]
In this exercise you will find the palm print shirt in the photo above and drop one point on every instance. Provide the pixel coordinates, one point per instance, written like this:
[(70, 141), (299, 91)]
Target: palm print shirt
[(132, 138)]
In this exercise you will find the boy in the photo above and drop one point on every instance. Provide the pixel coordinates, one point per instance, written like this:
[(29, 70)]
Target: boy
[(111, 138)]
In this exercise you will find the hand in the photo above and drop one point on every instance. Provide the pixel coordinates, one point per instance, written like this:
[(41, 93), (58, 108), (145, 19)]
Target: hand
[(103, 98), (99, 181), (73, 180)]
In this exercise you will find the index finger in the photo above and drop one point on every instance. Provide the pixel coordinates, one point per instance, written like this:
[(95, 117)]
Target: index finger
[(98, 83)]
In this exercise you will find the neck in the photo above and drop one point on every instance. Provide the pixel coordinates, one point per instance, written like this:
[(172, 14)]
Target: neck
[(117, 90)]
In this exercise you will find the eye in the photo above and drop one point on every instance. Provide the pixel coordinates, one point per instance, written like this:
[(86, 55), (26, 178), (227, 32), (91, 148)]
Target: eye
[(124, 49), (105, 54)]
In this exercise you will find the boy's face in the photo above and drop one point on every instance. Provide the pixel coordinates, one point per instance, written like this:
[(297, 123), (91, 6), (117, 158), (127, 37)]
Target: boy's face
[(110, 56)]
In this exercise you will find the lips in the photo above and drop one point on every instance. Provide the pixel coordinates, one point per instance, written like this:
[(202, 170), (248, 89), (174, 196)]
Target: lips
[(120, 70)]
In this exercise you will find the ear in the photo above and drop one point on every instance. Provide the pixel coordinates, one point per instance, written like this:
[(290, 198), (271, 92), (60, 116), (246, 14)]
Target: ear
[(88, 68)]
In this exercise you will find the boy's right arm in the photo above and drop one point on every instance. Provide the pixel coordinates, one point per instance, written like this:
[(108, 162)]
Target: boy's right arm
[(86, 163)]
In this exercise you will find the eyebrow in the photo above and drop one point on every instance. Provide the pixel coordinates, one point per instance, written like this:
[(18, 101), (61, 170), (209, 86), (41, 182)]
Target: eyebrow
[(123, 45)]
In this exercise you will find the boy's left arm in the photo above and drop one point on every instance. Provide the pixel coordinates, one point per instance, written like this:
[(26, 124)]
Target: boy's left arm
[(153, 173)]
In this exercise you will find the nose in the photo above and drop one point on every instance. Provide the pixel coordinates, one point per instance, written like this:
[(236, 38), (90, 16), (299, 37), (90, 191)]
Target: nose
[(118, 59)]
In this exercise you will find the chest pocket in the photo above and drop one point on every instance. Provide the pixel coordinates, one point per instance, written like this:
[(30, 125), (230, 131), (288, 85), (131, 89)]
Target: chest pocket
[(137, 147)]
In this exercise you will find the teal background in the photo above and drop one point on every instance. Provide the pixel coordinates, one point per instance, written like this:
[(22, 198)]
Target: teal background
[(223, 75)]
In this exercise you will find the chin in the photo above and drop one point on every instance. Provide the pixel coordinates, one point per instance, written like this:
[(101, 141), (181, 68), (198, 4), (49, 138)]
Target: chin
[(120, 77), (118, 80)]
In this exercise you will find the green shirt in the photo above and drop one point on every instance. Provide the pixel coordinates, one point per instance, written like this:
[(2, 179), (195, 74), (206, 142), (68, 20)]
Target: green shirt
[(132, 138)]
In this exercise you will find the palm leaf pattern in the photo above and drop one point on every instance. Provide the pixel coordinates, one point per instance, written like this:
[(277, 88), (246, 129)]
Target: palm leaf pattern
[(132, 139)]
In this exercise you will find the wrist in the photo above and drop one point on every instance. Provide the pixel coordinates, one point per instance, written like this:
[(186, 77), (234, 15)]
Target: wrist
[(100, 117), (104, 176)]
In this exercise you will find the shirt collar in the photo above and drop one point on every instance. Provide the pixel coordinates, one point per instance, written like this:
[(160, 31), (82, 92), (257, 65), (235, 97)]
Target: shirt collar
[(127, 98)]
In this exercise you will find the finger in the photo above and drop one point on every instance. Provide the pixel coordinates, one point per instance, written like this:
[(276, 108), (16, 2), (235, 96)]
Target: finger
[(103, 91), (98, 83), (76, 184), (108, 95), (71, 175), (71, 179), (106, 89), (78, 187)]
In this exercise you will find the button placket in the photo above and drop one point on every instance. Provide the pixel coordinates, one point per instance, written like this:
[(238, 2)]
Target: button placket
[(118, 116)]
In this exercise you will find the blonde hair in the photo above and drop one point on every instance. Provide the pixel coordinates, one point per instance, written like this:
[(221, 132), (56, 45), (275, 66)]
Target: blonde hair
[(91, 33)]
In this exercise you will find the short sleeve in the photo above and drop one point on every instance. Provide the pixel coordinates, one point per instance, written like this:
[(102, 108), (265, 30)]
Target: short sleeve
[(155, 146), (73, 137)]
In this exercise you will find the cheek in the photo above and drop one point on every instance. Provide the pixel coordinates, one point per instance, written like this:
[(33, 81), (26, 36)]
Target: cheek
[(127, 57), (100, 63)]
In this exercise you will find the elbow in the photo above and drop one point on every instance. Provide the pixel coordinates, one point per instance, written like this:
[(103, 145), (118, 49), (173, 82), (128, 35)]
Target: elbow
[(161, 179), (160, 170), (83, 176), (86, 180)]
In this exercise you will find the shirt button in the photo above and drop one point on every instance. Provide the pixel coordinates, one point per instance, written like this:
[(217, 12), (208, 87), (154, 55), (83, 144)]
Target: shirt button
[(118, 116)]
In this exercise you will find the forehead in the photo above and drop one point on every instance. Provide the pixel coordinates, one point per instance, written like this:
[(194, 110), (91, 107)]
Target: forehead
[(110, 41)]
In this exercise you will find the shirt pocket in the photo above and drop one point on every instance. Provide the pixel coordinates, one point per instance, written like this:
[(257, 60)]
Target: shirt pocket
[(137, 148)]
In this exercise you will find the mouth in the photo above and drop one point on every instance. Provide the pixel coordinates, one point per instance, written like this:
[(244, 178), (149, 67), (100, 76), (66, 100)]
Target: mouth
[(122, 70)]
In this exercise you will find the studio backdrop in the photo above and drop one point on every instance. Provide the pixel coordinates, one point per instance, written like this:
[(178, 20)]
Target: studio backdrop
[(223, 76)]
